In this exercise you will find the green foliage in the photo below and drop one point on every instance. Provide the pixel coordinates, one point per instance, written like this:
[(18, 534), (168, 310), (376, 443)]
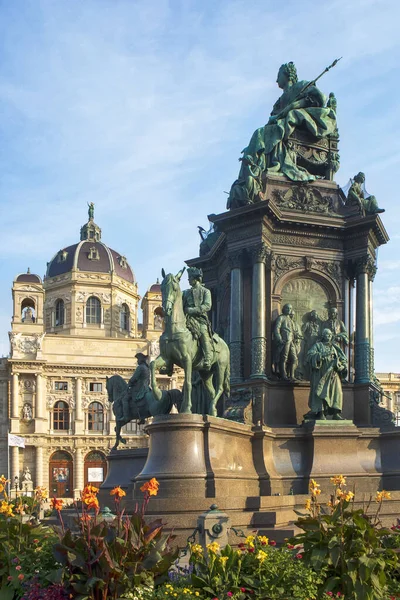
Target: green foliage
[(357, 554), (108, 560), (26, 551), (256, 570)]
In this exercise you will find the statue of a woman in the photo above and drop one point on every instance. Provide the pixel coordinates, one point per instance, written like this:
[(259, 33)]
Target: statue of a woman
[(327, 364), (367, 204), (299, 107)]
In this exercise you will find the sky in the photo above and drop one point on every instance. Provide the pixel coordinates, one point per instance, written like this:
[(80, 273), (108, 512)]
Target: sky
[(144, 107)]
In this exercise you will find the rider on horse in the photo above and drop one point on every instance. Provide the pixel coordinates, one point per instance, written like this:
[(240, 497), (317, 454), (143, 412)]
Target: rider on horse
[(196, 304), (138, 385)]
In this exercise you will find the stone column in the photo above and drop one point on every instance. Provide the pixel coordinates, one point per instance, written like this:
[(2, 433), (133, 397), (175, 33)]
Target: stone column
[(78, 406), (40, 418), (14, 465), (258, 312), (236, 317), (351, 329), (362, 345), (371, 275), (15, 396), (39, 466), (78, 473)]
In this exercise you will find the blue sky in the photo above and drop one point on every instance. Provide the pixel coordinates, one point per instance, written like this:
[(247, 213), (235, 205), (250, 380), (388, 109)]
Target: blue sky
[(144, 107)]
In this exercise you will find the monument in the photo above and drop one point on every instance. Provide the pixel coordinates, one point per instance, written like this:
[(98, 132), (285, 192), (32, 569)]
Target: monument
[(284, 278)]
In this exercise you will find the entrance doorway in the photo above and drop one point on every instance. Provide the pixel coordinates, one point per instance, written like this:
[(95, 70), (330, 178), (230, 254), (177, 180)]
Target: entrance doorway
[(61, 475)]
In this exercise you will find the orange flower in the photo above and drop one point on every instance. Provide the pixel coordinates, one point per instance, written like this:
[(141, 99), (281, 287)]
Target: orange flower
[(151, 487), (118, 492), (90, 489), (56, 503), (91, 501), (85, 518)]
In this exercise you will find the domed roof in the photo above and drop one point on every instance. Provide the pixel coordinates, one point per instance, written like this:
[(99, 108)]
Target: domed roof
[(90, 255), (156, 287), (93, 257), (28, 277)]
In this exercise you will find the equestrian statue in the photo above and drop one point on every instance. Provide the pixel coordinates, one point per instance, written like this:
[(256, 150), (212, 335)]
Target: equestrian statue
[(189, 342), (136, 401)]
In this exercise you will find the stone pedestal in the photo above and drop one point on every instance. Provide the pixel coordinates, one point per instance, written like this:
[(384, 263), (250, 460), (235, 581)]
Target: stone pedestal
[(123, 467)]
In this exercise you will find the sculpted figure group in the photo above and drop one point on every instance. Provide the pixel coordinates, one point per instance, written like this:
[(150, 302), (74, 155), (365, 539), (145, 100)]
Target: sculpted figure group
[(315, 353)]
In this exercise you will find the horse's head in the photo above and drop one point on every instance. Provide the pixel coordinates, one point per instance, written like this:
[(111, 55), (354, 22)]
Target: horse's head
[(109, 388), (170, 289)]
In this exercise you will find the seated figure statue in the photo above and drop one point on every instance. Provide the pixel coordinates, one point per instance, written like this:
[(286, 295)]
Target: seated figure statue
[(302, 106), (367, 204)]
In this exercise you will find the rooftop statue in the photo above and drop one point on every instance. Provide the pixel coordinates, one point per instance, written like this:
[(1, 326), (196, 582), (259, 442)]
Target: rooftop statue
[(188, 340), (91, 211), (358, 196), (302, 106)]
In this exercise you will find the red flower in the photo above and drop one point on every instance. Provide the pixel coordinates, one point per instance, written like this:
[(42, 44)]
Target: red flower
[(21, 576), (229, 594), (329, 593), (250, 550), (290, 547), (243, 590), (299, 556), (18, 567), (272, 543)]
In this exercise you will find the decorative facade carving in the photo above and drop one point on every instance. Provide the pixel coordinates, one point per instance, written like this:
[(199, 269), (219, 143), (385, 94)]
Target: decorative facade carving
[(303, 198), (236, 351), (259, 253), (235, 259), (365, 264), (25, 344)]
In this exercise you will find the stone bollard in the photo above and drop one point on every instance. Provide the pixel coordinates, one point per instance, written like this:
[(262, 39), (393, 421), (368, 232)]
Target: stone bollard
[(213, 526)]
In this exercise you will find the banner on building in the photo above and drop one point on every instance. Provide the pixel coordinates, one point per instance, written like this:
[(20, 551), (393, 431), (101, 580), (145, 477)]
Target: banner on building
[(16, 440)]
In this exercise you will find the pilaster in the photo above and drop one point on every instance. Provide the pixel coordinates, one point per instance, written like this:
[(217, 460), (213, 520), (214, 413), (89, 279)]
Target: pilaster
[(236, 317), (259, 256)]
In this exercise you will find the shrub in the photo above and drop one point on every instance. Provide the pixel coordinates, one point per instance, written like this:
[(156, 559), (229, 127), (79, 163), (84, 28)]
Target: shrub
[(350, 545)]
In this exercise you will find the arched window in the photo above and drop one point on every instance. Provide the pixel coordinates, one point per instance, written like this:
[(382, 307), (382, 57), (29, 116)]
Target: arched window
[(61, 416), (93, 310), (59, 313), (95, 468), (158, 318), (124, 317), (95, 417), (28, 311)]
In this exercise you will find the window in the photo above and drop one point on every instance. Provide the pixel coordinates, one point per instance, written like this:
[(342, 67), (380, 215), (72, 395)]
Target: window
[(61, 416), (95, 387), (60, 386), (158, 318), (124, 317), (93, 310), (28, 311), (59, 313), (95, 416), (93, 253)]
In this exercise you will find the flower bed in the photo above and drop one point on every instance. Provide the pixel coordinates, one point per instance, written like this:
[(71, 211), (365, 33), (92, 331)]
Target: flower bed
[(341, 553)]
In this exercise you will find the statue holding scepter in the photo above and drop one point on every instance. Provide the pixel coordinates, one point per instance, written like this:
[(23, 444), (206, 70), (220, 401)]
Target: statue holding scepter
[(91, 211)]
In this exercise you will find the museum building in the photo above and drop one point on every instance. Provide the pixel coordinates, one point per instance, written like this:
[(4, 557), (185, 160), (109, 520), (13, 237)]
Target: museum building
[(69, 332)]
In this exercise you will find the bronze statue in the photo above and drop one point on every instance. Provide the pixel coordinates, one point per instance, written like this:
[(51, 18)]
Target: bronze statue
[(328, 365), (248, 188), (312, 334), (301, 106), (285, 349), (197, 303), (138, 386), (91, 211), (186, 341), (368, 205), (337, 327)]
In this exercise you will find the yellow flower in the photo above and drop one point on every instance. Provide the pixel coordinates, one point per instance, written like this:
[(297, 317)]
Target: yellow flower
[(307, 505), (6, 509), (313, 484), (383, 495), (4, 480), (338, 480), (196, 549), (249, 541), (315, 491), (223, 560), (196, 594), (41, 493), (1, 488), (263, 540), (349, 496), (261, 556), (213, 548)]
